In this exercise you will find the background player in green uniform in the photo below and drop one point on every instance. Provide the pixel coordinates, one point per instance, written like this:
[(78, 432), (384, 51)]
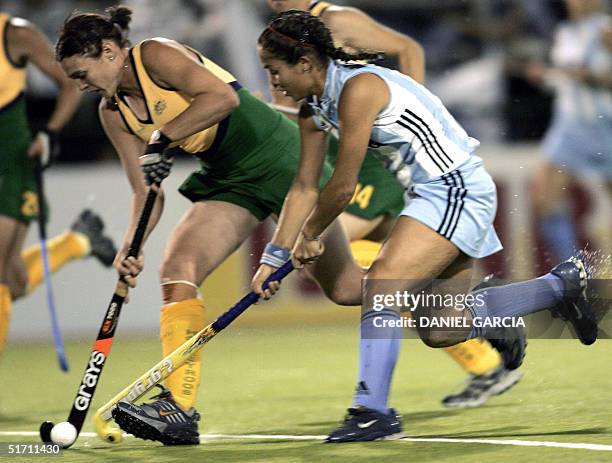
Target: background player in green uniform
[(20, 272)]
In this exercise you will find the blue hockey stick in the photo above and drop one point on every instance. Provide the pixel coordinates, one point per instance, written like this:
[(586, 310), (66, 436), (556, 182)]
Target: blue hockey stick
[(42, 231)]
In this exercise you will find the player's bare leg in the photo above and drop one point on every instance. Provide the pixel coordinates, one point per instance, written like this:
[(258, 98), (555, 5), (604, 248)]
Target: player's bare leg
[(412, 257), (336, 271), (415, 254), (359, 228), (487, 373)]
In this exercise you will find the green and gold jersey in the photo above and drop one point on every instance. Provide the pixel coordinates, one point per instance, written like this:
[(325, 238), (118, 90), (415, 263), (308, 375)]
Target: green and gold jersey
[(12, 75), (317, 8), (164, 104), (17, 186)]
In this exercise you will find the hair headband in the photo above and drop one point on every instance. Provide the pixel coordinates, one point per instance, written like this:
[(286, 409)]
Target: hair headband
[(302, 41)]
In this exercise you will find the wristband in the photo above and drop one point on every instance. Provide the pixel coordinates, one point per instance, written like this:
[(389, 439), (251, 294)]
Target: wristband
[(159, 137), (275, 256), (157, 143)]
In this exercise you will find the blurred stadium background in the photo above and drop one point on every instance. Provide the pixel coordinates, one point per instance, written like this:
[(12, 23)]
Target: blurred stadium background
[(473, 48)]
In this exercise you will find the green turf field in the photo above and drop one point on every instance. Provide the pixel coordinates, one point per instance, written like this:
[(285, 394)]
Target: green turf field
[(298, 382)]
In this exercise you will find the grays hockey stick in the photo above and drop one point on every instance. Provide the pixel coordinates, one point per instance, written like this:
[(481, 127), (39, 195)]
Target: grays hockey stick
[(104, 341)]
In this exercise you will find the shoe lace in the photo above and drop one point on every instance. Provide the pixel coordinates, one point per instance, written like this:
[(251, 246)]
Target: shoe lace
[(352, 413), (475, 384), (481, 382), (164, 394)]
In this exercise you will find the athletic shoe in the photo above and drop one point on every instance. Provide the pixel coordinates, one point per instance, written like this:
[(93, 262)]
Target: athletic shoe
[(91, 225), (162, 420), (363, 424), (480, 388), (575, 307), (510, 342)]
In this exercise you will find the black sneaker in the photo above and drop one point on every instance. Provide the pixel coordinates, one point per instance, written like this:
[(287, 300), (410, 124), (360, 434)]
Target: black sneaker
[(575, 307), (510, 342), (91, 225), (363, 424), (480, 388), (162, 420)]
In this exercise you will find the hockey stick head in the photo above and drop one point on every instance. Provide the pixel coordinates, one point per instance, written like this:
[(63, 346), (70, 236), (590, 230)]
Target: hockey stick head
[(63, 362), (106, 430), (102, 418), (45, 431)]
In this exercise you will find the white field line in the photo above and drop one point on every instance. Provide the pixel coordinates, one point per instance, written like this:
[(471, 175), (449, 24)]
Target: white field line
[(520, 443)]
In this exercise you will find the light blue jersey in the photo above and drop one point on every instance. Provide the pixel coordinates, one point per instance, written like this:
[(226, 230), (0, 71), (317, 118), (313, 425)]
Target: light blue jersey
[(414, 135), (430, 154), (580, 135)]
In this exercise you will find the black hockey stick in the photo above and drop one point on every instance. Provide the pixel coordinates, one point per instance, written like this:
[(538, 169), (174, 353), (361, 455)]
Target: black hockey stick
[(104, 341)]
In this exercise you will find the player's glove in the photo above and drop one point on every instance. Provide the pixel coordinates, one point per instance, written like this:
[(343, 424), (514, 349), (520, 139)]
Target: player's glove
[(49, 139), (155, 163)]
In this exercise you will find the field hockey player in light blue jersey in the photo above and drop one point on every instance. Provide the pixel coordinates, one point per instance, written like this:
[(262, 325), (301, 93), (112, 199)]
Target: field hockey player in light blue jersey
[(379, 197), (579, 139), (446, 225)]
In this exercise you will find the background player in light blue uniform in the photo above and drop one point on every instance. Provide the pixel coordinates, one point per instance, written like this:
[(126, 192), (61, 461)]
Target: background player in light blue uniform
[(445, 226), (579, 139)]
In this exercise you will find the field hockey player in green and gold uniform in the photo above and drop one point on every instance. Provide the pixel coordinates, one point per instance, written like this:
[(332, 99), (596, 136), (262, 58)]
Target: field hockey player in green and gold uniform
[(164, 99)]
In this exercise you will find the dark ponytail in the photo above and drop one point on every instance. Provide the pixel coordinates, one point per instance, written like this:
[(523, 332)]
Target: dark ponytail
[(294, 33), (83, 33)]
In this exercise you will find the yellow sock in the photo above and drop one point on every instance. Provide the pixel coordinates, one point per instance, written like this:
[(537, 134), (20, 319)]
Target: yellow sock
[(364, 252), (61, 249), (5, 314), (179, 322), (475, 356)]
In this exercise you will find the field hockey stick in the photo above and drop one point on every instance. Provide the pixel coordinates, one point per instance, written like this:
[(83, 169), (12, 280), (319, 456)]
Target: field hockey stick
[(104, 341), (42, 233), (176, 359)]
